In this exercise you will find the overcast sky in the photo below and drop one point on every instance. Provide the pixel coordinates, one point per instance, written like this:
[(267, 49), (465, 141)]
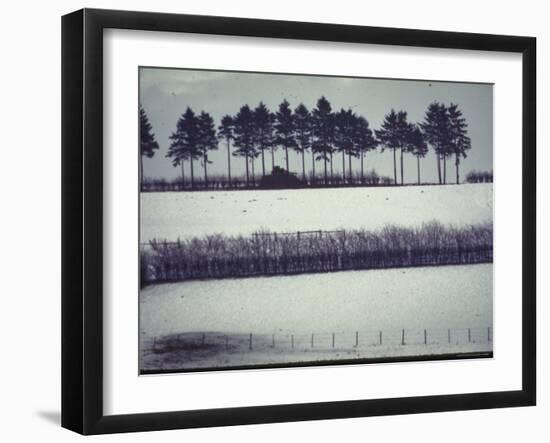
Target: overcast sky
[(166, 93)]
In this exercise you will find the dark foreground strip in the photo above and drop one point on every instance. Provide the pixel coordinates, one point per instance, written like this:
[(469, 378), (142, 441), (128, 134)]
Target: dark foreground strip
[(355, 361)]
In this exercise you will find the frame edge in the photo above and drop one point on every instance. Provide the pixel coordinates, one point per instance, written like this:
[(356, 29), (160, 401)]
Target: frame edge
[(529, 221), (72, 117)]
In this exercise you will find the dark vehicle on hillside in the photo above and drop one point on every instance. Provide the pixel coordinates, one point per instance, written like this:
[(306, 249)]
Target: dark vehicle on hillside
[(280, 179)]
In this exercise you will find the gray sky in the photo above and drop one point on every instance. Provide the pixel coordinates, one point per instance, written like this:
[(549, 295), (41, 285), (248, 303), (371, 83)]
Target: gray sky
[(166, 93)]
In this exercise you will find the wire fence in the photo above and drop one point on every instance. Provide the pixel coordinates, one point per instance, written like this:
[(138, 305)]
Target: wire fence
[(326, 341)]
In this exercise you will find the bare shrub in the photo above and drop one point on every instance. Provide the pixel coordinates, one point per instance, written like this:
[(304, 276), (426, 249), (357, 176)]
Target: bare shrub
[(479, 177), (270, 253)]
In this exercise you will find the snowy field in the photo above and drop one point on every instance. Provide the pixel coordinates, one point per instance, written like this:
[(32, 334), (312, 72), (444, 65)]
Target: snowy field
[(173, 215), (293, 307)]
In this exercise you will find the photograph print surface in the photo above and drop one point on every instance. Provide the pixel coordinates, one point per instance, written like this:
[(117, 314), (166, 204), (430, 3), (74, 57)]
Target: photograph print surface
[(292, 220)]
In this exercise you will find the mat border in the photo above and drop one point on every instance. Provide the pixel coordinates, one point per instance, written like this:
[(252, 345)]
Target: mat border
[(82, 220)]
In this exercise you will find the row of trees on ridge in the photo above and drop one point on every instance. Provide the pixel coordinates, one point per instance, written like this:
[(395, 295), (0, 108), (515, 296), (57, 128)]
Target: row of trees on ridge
[(321, 132)]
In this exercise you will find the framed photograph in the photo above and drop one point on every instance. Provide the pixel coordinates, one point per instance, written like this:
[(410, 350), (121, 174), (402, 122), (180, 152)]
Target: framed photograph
[(270, 221)]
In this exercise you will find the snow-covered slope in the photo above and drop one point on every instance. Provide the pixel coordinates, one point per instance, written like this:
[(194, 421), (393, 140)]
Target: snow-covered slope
[(414, 298), (170, 215)]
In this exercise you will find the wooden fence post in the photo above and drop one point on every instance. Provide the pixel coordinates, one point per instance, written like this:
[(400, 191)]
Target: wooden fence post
[(292, 341), (273, 340), (250, 342), (356, 338), (312, 340), (469, 335), (403, 337), (333, 339), (449, 335), (380, 337), (489, 333)]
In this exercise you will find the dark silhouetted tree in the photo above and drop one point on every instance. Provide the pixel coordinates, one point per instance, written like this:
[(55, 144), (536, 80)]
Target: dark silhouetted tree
[(436, 133), (225, 132), (393, 135), (147, 143), (417, 146), (263, 132), (323, 132), (344, 129), (244, 136), (460, 143), (302, 120), (364, 140), (207, 140), (185, 141), (284, 129), (273, 120)]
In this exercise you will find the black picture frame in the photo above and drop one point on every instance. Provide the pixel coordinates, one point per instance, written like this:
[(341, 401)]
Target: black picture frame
[(82, 220)]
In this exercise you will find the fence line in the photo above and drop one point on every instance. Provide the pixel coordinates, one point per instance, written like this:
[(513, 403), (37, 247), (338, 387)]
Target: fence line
[(321, 340), (256, 235)]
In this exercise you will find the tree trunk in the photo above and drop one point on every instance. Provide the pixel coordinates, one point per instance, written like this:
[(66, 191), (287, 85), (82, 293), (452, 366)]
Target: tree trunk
[(343, 167), (444, 169), (192, 174), (362, 170), (253, 176), (438, 158), (286, 155), (229, 162), (331, 170), (246, 167), (205, 160), (263, 163), (182, 174), (402, 166), (349, 170), (312, 166), (457, 161), (326, 177), (394, 167), (418, 167), (304, 165), (141, 172), (272, 157)]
